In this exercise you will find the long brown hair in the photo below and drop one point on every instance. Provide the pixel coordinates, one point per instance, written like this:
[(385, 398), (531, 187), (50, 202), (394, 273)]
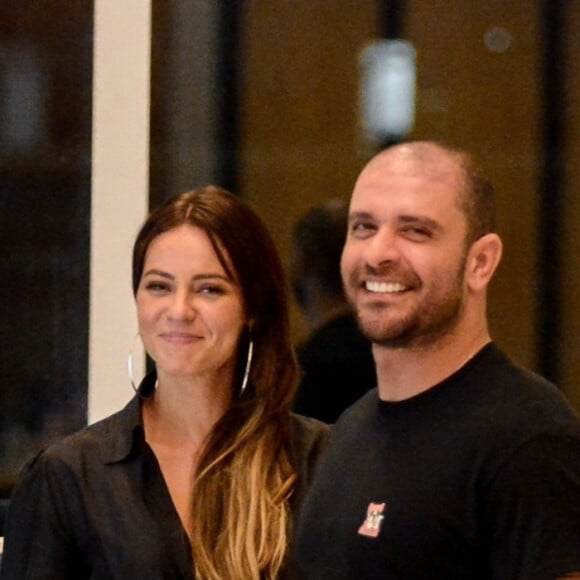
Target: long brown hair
[(244, 479)]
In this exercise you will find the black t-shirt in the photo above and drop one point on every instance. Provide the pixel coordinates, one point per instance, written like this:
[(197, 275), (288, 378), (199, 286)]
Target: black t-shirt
[(478, 477)]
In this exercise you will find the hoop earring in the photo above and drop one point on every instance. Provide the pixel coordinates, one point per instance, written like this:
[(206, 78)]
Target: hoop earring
[(248, 364), (130, 364)]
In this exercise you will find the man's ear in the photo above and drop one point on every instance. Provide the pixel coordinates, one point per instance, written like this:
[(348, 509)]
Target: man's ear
[(483, 259)]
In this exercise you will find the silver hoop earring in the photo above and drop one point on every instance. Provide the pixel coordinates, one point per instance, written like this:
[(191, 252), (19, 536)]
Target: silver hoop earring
[(248, 364), (130, 364)]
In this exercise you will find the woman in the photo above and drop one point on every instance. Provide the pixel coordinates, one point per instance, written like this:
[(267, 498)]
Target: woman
[(201, 473)]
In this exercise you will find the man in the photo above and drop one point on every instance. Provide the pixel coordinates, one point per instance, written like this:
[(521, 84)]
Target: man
[(460, 464), (336, 360)]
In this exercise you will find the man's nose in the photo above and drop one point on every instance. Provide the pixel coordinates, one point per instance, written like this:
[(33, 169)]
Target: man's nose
[(382, 248)]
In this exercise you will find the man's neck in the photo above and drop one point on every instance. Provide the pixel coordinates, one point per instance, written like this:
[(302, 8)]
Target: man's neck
[(405, 372)]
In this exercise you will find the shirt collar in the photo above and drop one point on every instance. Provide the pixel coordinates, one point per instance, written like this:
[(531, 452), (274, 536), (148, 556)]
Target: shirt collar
[(126, 432)]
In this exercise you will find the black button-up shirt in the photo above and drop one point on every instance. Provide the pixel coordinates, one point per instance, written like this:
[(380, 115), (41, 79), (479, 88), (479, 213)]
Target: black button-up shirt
[(96, 506)]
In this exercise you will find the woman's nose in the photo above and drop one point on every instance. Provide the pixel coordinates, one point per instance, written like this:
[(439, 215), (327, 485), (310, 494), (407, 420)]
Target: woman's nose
[(181, 307)]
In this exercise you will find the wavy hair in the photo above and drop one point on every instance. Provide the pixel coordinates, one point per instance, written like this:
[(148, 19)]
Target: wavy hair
[(245, 476)]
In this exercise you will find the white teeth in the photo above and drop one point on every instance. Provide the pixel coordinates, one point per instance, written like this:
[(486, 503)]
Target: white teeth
[(385, 287)]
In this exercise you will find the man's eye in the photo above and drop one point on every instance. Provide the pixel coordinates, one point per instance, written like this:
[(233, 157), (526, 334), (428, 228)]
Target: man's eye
[(362, 228), (418, 233)]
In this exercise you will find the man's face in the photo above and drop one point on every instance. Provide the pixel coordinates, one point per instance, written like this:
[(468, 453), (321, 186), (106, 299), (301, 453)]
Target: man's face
[(404, 259)]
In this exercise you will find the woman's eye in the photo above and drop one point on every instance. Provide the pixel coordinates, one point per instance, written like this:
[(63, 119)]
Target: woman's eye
[(157, 287), (211, 290)]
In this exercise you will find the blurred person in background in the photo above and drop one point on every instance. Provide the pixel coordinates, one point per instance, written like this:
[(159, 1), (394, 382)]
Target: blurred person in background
[(335, 359)]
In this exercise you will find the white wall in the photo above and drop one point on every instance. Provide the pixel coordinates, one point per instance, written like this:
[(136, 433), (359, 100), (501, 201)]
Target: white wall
[(120, 181)]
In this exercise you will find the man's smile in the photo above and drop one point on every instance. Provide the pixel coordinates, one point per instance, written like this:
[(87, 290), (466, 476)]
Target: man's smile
[(378, 287)]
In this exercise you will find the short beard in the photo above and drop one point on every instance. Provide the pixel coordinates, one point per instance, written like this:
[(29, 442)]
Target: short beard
[(433, 319), (418, 329)]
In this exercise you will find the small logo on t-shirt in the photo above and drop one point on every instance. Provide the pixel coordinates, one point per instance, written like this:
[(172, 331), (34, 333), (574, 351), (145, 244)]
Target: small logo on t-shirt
[(372, 524)]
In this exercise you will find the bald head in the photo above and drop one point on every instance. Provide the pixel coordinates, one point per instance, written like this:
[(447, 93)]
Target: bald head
[(475, 194)]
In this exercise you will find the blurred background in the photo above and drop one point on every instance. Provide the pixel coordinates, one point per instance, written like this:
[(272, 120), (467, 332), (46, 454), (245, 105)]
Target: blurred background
[(277, 101)]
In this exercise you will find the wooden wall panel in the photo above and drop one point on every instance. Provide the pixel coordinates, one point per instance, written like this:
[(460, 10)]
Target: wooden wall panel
[(489, 103), (570, 341), (298, 96)]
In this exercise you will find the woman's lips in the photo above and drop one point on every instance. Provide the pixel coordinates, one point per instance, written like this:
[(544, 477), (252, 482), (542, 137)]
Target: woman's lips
[(179, 338)]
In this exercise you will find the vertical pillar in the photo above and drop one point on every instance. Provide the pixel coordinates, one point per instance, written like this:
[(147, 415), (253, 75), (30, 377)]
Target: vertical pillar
[(120, 178)]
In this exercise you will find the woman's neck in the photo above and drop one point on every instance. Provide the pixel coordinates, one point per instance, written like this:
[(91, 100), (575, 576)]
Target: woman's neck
[(183, 412)]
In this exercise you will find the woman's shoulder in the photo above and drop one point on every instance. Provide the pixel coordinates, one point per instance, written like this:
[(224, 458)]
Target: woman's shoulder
[(104, 441), (310, 438), (309, 428)]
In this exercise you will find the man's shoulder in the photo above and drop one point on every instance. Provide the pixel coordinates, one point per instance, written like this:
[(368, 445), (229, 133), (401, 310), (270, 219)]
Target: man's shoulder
[(360, 410), (517, 392)]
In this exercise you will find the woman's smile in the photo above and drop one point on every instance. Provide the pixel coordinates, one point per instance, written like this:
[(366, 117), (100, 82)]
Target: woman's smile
[(180, 338)]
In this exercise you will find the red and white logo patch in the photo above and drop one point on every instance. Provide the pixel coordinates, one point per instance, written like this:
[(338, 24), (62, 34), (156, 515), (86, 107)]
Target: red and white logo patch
[(372, 524)]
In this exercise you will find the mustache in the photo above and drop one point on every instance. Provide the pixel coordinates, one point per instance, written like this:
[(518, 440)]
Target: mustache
[(380, 271)]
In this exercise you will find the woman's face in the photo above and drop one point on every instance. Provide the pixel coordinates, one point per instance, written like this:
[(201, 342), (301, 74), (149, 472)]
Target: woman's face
[(191, 314)]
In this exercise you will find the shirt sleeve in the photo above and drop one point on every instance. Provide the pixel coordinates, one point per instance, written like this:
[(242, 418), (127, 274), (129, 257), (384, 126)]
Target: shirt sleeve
[(37, 541), (533, 511)]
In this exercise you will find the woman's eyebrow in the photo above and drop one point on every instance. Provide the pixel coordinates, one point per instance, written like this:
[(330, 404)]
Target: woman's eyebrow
[(197, 277), (156, 272)]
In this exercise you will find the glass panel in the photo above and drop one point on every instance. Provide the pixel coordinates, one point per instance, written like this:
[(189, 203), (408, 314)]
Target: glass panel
[(45, 139), (188, 95)]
